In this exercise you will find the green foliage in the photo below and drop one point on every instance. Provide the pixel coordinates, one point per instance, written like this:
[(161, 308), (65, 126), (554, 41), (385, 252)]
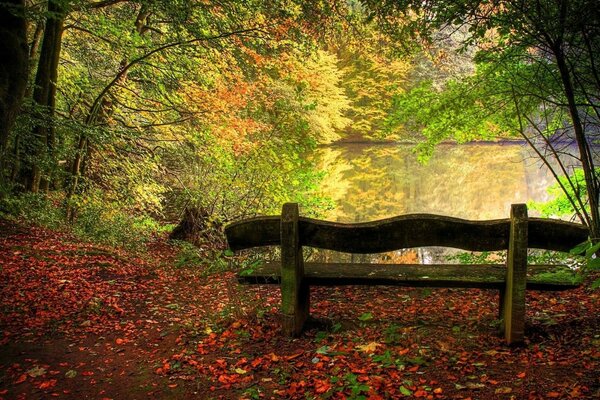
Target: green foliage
[(98, 220), (561, 204), (33, 208), (477, 107), (564, 275), (484, 257), (365, 317), (358, 390), (590, 251), (110, 223), (205, 261)]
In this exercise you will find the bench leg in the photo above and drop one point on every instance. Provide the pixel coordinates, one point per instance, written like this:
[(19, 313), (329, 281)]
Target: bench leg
[(295, 309), (295, 292), (501, 309), (513, 305)]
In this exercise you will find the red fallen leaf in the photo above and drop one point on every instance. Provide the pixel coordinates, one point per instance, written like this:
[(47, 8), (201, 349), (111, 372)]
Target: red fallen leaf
[(21, 379), (3, 392), (47, 384), (321, 386), (420, 393), (172, 386), (553, 395), (438, 390), (227, 379), (119, 341), (256, 362), (521, 375), (87, 373)]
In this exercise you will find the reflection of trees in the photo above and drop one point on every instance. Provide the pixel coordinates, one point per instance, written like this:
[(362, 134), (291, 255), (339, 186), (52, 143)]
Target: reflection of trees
[(477, 181)]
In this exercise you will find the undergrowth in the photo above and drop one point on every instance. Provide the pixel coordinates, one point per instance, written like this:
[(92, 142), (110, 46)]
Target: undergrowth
[(96, 220)]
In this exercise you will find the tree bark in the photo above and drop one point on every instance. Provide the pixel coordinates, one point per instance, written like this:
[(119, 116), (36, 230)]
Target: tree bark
[(14, 67), (44, 94)]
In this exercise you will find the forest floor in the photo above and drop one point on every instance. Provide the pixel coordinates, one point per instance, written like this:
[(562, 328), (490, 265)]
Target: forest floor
[(83, 321)]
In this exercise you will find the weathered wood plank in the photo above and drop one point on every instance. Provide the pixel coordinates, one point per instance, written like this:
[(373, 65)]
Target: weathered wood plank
[(513, 308), (294, 289), (486, 276), (417, 230), (254, 232), (406, 231), (551, 234)]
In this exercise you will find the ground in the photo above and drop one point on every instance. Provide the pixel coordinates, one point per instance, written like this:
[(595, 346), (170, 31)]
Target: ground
[(83, 321)]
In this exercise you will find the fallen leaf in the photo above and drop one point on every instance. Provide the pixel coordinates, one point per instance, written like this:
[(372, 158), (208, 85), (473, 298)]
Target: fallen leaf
[(405, 391), (36, 371), (368, 348), (47, 384), (474, 385), (321, 386), (71, 373)]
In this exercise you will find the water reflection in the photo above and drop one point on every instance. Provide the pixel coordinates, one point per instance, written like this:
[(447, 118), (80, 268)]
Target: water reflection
[(474, 181)]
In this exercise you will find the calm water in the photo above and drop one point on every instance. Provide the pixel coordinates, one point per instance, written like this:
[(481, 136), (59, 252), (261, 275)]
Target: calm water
[(474, 181)]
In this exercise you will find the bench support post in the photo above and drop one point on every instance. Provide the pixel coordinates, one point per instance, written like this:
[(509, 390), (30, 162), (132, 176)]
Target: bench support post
[(512, 308), (295, 292)]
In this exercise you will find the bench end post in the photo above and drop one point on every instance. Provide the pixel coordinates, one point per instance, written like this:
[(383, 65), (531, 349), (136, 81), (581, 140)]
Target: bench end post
[(513, 298), (295, 293)]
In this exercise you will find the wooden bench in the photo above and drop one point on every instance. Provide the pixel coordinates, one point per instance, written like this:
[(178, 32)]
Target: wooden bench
[(516, 234)]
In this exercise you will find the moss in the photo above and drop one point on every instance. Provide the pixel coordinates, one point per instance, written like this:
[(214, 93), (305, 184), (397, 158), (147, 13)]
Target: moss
[(563, 275)]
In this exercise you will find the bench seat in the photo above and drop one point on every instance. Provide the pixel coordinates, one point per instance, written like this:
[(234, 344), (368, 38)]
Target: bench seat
[(483, 276)]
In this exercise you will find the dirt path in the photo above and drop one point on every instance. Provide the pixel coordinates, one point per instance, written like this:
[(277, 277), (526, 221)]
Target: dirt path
[(81, 321)]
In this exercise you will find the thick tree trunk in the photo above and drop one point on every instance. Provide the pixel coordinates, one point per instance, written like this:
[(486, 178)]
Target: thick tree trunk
[(34, 49), (44, 94), (14, 67)]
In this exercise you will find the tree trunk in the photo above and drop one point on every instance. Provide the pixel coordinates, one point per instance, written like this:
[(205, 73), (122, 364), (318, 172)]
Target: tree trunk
[(14, 67), (585, 154), (34, 49), (44, 94)]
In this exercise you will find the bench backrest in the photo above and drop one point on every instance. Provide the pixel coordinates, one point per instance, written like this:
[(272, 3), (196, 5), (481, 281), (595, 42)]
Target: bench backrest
[(406, 231)]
